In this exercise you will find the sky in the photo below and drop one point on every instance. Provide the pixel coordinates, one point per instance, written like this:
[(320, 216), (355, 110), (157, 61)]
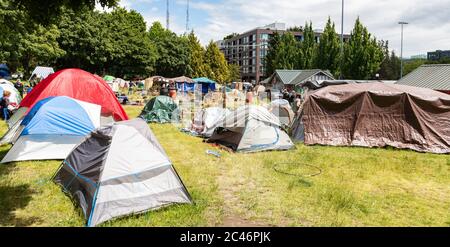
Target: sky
[(428, 28)]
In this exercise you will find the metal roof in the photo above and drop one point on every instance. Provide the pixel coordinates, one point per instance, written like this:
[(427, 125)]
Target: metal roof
[(433, 76), (294, 77)]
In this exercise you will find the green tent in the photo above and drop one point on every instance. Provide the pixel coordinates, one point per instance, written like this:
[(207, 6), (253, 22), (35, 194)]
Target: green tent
[(161, 109), (109, 78)]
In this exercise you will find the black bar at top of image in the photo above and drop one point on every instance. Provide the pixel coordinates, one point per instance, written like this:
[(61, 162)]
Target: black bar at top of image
[(227, 236)]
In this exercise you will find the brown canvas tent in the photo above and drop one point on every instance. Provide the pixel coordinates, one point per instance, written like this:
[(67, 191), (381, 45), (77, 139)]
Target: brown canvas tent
[(182, 79), (376, 115)]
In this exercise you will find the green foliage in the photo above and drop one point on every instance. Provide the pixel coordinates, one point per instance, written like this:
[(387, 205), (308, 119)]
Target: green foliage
[(217, 66), (40, 47), (230, 36), (390, 67), (197, 66), (234, 73), (328, 56), (284, 53), (295, 29), (288, 53), (107, 43), (131, 51), (362, 55), (272, 53), (172, 51), (47, 11), (410, 65), (308, 48)]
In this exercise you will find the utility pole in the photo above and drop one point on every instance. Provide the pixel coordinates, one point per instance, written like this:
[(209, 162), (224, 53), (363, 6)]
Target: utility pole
[(342, 41), (401, 50), (167, 16), (187, 17)]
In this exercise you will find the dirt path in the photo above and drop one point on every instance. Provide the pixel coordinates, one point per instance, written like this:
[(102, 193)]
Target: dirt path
[(232, 204)]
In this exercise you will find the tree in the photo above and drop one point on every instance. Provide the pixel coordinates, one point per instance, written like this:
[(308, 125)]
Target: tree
[(40, 47), (412, 64), (327, 57), (272, 53), (132, 53), (288, 54), (196, 59), (234, 73), (47, 11), (308, 48), (14, 25), (172, 51), (295, 29), (107, 43), (362, 55), (230, 36), (84, 37), (217, 66), (390, 67)]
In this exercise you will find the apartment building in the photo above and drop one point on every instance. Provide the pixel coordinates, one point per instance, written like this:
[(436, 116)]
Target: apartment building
[(249, 49), (438, 55)]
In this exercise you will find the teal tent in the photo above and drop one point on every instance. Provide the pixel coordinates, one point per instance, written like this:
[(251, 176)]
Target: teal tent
[(206, 84), (161, 109)]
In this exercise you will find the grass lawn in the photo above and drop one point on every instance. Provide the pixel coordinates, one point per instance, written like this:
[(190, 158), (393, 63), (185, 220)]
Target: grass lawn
[(356, 187)]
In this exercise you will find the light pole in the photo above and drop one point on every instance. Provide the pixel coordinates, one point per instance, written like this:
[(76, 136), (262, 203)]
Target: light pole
[(342, 40), (401, 49)]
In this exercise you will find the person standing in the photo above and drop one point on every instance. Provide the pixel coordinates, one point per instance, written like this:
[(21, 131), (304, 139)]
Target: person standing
[(164, 91), (4, 103), (297, 104), (172, 90), (19, 86), (249, 96)]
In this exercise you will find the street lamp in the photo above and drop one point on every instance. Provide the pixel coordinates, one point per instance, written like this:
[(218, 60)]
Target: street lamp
[(342, 39), (401, 49)]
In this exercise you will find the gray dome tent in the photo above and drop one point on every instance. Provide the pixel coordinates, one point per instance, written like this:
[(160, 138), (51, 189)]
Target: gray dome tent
[(118, 170), (251, 129), (283, 111)]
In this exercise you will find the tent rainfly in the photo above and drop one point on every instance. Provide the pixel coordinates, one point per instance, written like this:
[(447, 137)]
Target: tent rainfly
[(251, 129), (42, 72), (376, 115), (161, 109), (120, 169), (206, 120), (205, 84), (52, 129), (15, 97), (77, 84), (3, 81)]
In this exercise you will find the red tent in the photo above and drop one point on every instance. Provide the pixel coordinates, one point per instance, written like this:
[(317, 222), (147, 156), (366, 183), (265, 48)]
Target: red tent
[(80, 85)]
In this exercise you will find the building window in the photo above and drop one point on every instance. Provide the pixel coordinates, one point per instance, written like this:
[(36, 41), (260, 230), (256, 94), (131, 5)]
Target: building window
[(264, 37)]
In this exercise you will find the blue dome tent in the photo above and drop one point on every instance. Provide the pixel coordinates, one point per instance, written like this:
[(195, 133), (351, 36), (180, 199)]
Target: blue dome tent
[(52, 128)]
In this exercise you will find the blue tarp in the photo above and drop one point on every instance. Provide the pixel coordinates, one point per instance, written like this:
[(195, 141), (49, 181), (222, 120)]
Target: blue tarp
[(185, 87), (4, 71), (206, 83), (207, 87), (57, 116)]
